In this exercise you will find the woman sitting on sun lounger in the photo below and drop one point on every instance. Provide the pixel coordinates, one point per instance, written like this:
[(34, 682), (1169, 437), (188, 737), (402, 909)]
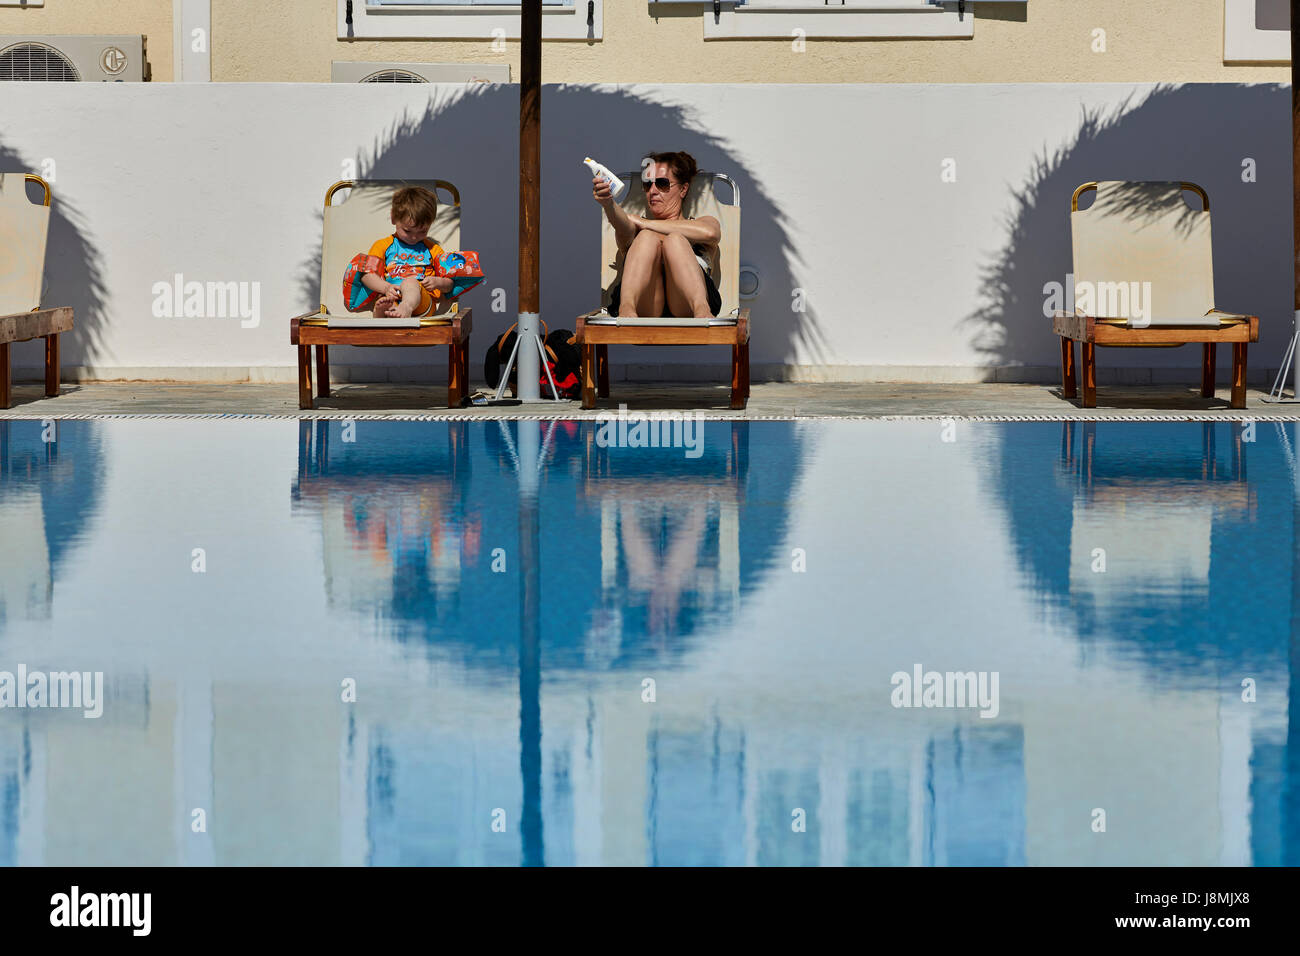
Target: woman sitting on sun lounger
[(666, 258)]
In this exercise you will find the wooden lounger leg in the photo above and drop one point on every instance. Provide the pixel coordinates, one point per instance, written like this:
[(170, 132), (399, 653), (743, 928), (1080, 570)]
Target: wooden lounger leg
[(455, 370), (304, 377), (323, 371), (602, 371), (1089, 375), (52, 365), (1069, 379), (4, 375), (464, 365), (1238, 374), (1207, 370), (744, 358), (737, 376), (588, 376)]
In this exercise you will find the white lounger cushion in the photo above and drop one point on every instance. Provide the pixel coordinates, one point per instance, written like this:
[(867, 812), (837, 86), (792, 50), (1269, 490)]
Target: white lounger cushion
[(370, 322), (667, 321)]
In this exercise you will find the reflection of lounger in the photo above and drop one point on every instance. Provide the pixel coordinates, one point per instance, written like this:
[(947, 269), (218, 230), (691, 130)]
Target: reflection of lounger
[(24, 227), (352, 225)]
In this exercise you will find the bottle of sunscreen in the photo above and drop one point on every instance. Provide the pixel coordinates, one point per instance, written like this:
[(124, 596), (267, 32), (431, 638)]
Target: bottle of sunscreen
[(616, 185)]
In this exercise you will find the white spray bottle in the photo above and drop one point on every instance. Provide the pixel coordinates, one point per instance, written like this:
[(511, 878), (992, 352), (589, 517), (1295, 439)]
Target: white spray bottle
[(616, 185)]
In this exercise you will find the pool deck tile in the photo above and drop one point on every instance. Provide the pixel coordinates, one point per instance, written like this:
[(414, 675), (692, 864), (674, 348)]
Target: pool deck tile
[(768, 400)]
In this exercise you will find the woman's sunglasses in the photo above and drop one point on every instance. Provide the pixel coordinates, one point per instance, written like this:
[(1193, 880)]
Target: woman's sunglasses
[(661, 182)]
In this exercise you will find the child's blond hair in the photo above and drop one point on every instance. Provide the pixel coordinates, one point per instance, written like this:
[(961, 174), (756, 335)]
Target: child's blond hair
[(416, 205)]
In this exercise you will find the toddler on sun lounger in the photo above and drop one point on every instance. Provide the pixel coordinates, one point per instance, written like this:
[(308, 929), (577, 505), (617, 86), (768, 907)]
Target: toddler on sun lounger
[(408, 274)]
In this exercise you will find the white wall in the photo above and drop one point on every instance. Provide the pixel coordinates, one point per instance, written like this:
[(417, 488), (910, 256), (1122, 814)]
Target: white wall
[(905, 276)]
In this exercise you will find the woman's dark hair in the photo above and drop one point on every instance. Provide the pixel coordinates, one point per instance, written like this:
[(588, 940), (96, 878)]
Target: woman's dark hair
[(681, 163)]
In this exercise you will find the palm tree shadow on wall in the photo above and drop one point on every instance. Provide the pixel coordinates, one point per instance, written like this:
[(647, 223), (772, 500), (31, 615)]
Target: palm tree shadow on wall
[(73, 277), (1202, 133), (470, 139)]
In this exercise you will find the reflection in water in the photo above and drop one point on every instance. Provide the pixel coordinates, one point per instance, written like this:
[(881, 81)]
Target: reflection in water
[(561, 653)]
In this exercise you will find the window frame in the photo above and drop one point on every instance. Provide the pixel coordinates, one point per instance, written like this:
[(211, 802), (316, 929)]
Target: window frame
[(854, 19), (433, 21), (1244, 43)]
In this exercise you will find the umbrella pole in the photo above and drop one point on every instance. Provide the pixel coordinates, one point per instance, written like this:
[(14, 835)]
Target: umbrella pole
[(1295, 180), (530, 174)]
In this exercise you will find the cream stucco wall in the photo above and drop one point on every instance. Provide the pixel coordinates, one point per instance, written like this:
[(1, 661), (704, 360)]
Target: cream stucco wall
[(153, 18), (1048, 41)]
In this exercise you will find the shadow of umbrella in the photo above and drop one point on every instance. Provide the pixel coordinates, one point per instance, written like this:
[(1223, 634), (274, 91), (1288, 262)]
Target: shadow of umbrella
[(465, 138)]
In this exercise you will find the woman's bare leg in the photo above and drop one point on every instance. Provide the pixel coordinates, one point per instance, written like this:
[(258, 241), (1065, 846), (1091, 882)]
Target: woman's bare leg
[(684, 280), (642, 288)]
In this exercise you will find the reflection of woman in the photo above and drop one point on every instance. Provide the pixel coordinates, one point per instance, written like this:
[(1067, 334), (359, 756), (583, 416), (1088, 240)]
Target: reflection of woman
[(680, 569), (665, 257)]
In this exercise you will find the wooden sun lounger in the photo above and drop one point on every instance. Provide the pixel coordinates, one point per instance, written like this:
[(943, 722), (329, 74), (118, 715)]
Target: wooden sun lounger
[(21, 317), (351, 227), (597, 330), (1144, 235)]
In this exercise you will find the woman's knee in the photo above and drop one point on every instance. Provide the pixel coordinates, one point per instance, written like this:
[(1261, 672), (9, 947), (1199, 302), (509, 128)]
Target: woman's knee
[(647, 243)]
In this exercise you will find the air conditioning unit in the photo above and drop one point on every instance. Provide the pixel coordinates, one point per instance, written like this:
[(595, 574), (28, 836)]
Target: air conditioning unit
[(74, 58), (342, 71)]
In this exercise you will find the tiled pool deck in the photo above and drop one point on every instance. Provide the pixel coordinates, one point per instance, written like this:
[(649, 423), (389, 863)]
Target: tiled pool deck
[(768, 400)]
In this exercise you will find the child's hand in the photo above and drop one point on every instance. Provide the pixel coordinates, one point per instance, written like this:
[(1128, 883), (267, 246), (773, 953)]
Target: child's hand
[(392, 292), (437, 283)]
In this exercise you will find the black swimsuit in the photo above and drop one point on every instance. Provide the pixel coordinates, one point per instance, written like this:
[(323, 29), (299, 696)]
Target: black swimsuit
[(711, 289)]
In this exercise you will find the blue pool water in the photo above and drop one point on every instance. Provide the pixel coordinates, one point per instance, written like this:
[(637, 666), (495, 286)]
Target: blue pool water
[(506, 643)]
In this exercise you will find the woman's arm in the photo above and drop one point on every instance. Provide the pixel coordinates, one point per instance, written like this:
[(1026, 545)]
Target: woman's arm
[(706, 229), (624, 229)]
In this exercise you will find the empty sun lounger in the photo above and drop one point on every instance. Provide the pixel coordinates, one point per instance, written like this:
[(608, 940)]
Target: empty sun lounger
[(24, 228), (1144, 257), (350, 227), (599, 329)]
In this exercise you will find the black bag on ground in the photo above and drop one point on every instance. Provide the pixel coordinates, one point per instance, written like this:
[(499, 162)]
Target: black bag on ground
[(562, 357)]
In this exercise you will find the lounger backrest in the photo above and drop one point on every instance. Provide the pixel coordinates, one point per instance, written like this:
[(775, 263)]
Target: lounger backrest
[(24, 227), (356, 218), (1144, 232), (701, 200)]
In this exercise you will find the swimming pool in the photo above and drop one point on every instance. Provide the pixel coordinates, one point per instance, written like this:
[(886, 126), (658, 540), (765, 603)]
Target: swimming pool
[(862, 643)]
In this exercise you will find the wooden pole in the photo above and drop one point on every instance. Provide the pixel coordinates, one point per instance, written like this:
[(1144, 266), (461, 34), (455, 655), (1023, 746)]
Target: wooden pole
[(530, 199), (1295, 178), (530, 120)]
